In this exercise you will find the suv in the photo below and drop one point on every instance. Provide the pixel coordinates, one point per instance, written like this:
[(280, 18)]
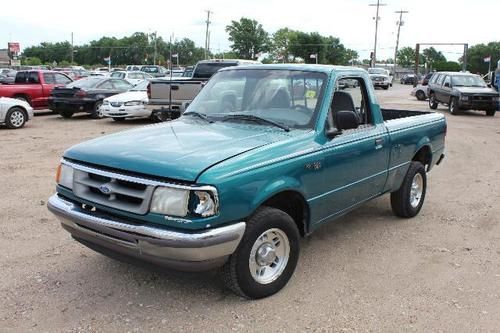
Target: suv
[(380, 77), (461, 91)]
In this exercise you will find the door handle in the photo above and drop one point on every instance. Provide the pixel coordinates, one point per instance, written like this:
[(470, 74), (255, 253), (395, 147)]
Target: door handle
[(379, 143)]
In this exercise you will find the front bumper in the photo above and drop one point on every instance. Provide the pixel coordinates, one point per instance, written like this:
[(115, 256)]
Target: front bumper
[(477, 105), (125, 111), (184, 251)]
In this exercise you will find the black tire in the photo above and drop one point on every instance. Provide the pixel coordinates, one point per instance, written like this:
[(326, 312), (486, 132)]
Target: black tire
[(453, 106), (432, 101), (119, 119), (401, 200), (15, 118), (159, 117), (420, 95), (385, 87), (66, 113), (491, 113), (97, 113), (236, 272)]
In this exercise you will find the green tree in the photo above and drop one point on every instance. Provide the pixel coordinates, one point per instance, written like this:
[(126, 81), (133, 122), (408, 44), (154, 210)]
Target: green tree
[(406, 57), (448, 66), (432, 56), (281, 42), (248, 38), (477, 53)]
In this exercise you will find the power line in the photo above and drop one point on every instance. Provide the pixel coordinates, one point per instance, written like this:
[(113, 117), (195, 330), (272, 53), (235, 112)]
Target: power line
[(400, 23), (378, 4)]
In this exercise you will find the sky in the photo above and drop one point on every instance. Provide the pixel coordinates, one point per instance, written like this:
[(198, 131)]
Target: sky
[(428, 21)]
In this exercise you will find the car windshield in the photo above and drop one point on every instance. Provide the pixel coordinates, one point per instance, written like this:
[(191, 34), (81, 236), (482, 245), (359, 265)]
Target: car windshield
[(288, 98), (467, 81), (150, 69), (141, 86), (377, 71), (85, 83)]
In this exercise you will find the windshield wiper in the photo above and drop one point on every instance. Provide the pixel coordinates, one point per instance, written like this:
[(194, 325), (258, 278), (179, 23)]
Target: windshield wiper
[(256, 119), (199, 115)]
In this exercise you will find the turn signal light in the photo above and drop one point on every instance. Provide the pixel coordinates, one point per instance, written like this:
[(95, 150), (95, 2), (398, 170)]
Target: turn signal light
[(58, 173)]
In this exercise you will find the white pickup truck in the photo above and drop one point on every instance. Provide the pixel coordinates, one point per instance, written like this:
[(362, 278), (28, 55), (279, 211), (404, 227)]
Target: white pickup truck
[(169, 97)]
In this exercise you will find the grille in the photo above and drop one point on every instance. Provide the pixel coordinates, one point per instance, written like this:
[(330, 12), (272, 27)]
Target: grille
[(482, 98), (116, 104), (112, 192)]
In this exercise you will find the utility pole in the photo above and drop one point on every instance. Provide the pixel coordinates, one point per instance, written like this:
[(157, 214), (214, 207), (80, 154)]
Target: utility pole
[(400, 23), (378, 4), (154, 55), (72, 52), (207, 34)]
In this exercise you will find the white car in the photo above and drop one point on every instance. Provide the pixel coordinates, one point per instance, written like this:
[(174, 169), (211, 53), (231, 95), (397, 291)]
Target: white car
[(14, 113), (130, 104), (380, 77), (132, 77), (420, 92)]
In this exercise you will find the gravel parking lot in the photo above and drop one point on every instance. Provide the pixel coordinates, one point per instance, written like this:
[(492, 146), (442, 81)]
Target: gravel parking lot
[(369, 271)]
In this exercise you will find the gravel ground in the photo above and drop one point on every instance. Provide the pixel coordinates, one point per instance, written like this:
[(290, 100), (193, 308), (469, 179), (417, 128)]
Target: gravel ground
[(368, 271)]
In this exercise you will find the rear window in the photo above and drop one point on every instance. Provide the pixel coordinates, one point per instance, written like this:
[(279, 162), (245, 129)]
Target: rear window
[(206, 70), (117, 75), (85, 83)]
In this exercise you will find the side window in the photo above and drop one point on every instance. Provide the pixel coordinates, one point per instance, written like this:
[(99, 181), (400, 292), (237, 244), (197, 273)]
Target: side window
[(447, 80), (61, 79), (440, 80), (106, 85), (21, 77), (122, 85), (33, 78), (350, 95), (49, 78)]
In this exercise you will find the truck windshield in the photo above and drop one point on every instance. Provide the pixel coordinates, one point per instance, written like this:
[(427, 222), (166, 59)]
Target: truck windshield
[(467, 81), (288, 98)]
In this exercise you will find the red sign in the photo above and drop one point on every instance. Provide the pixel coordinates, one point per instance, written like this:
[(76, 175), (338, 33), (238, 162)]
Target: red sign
[(14, 48)]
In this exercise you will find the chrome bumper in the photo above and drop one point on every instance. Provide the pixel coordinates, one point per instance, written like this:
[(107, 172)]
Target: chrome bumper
[(196, 251)]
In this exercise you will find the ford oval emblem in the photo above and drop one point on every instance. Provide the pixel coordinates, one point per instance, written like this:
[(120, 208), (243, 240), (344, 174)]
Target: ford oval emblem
[(104, 189)]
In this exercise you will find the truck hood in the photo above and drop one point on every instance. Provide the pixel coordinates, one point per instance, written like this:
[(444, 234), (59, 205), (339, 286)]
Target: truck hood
[(181, 149), (476, 90)]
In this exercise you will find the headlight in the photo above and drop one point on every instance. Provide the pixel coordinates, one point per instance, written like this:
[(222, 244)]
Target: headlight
[(105, 102), (133, 103), (170, 201), (464, 97), (206, 204), (64, 176)]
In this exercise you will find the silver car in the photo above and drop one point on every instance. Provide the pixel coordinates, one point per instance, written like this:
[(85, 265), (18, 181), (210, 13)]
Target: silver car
[(14, 113)]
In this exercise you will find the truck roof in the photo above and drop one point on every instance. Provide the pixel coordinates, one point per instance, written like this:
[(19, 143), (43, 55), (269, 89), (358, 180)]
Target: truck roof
[(327, 69)]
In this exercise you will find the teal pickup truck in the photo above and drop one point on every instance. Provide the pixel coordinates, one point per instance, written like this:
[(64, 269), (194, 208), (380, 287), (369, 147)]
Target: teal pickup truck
[(263, 156)]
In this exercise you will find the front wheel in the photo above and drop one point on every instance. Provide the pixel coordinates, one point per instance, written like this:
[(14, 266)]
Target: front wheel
[(267, 256), (15, 118), (453, 106), (432, 101), (409, 198)]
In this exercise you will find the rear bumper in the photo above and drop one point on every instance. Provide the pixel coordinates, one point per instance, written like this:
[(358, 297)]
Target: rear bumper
[(184, 251)]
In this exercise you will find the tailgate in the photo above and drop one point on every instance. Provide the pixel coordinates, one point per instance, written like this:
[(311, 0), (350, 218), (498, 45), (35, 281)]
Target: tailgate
[(162, 91)]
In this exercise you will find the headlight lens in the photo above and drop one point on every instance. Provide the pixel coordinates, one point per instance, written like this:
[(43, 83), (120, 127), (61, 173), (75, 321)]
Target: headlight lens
[(170, 201), (206, 204), (133, 103), (464, 97), (64, 176)]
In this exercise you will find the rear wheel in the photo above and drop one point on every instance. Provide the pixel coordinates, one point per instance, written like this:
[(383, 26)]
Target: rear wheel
[(420, 95), (490, 113), (453, 106), (15, 118), (409, 198), (266, 257), (432, 101), (97, 113), (66, 114)]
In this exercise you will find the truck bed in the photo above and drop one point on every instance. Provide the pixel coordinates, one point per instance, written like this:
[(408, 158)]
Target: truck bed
[(390, 114)]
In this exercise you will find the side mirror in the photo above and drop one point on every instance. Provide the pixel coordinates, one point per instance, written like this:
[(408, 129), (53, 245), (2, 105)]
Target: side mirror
[(447, 85), (346, 120)]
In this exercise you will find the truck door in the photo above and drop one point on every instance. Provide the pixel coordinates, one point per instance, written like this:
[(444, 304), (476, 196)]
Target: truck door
[(445, 91), (355, 161)]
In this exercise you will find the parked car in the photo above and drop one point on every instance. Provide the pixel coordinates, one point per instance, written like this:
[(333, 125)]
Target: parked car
[(380, 77), (7, 76), (426, 78), (34, 87), (420, 92), (132, 77), (168, 98), (14, 113), (130, 104), (155, 71), (85, 95), (409, 79), (133, 68), (461, 91), (98, 74), (237, 186)]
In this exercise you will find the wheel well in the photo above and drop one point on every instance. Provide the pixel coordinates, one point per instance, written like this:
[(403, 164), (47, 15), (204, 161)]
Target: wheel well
[(21, 108), (294, 204), (424, 156), (26, 97)]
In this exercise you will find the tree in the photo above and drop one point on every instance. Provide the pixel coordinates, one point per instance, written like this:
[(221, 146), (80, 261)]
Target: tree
[(281, 42), (248, 38), (448, 66), (432, 56), (406, 57), (478, 52)]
